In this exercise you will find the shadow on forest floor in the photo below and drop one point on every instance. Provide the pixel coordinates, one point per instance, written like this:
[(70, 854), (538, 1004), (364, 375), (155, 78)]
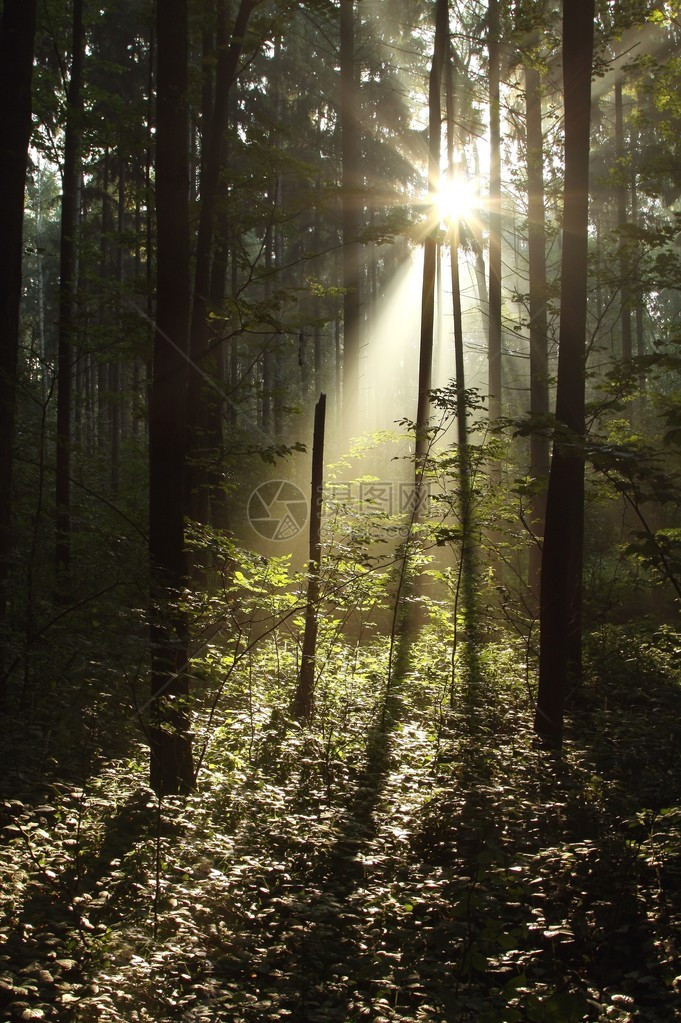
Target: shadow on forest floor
[(458, 874), (521, 887), (320, 943)]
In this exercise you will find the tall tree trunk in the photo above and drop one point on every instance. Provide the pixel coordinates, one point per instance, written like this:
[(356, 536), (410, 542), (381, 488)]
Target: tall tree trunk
[(475, 228), (561, 577), (494, 326), (116, 387), (430, 243), (621, 189), (102, 366), (454, 235), (352, 183), (465, 494), (17, 34), (317, 340), (539, 365), (638, 288), (67, 295), (225, 255), (267, 357), (170, 738), (203, 405)]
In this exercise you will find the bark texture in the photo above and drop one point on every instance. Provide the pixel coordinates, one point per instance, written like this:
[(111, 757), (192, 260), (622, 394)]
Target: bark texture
[(17, 35), (170, 738), (561, 578)]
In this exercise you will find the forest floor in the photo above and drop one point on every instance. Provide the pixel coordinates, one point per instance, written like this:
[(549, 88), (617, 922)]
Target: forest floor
[(409, 859)]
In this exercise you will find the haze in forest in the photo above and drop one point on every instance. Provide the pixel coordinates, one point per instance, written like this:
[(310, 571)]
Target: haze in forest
[(340, 492)]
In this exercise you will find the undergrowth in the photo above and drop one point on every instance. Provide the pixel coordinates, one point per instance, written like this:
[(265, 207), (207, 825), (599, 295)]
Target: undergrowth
[(414, 856)]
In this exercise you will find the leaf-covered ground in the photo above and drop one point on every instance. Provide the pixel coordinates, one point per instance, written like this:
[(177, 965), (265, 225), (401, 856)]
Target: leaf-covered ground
[(405, 860)]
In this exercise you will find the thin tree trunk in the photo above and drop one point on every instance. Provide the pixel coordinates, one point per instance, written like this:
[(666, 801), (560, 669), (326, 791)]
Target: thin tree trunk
[(625, 296), (17, 34), (494, 326), (225, 250), (202, 406), (102, 367), (303, 704), (430, 243), (278, 383), (116, 397), (475, 228), (465, 493), (170, 738), (351, 183), (638, 289), (149, 218), (561, 578), (67, 294), (539, 365), (454, 234), (267, 354)]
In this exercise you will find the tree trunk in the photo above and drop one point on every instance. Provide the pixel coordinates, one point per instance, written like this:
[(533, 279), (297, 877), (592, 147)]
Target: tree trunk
[(465, 494), (116, 369), (561, 577), (454, 234), (17, 34), (351, 183), (67, 294), (303, 704), (430, 243), (539, 365), (203, 404), (494, 325), (638, 289), (625, 289), (170, 738)]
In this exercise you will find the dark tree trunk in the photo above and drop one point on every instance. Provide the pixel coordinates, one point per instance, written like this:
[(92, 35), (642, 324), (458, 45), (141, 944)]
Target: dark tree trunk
[(430, 243), (203, 403), (561, 577), (224, 256), (638, 288), (116, 387), (539, 366), (454, 235), (624, 262), (467, 601), (267, 357), (67, 296), (17, 34), (352, 184), (494, 325), (303, 704), (170, 738), (102, 367)]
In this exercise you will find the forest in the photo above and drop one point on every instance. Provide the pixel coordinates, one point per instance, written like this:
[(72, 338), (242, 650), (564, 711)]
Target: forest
[(340, 511)]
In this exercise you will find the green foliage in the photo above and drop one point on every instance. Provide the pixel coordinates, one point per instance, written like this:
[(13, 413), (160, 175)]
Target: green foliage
[(432, 867)]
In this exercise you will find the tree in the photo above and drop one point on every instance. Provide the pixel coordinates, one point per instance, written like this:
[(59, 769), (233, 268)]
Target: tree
[(169, 736), (561, 576), (494, 322), (202, 414), (67, 294), (303, 703), (431, 240), (352, 181), (622, 183), (539, 363), (17, 35)]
